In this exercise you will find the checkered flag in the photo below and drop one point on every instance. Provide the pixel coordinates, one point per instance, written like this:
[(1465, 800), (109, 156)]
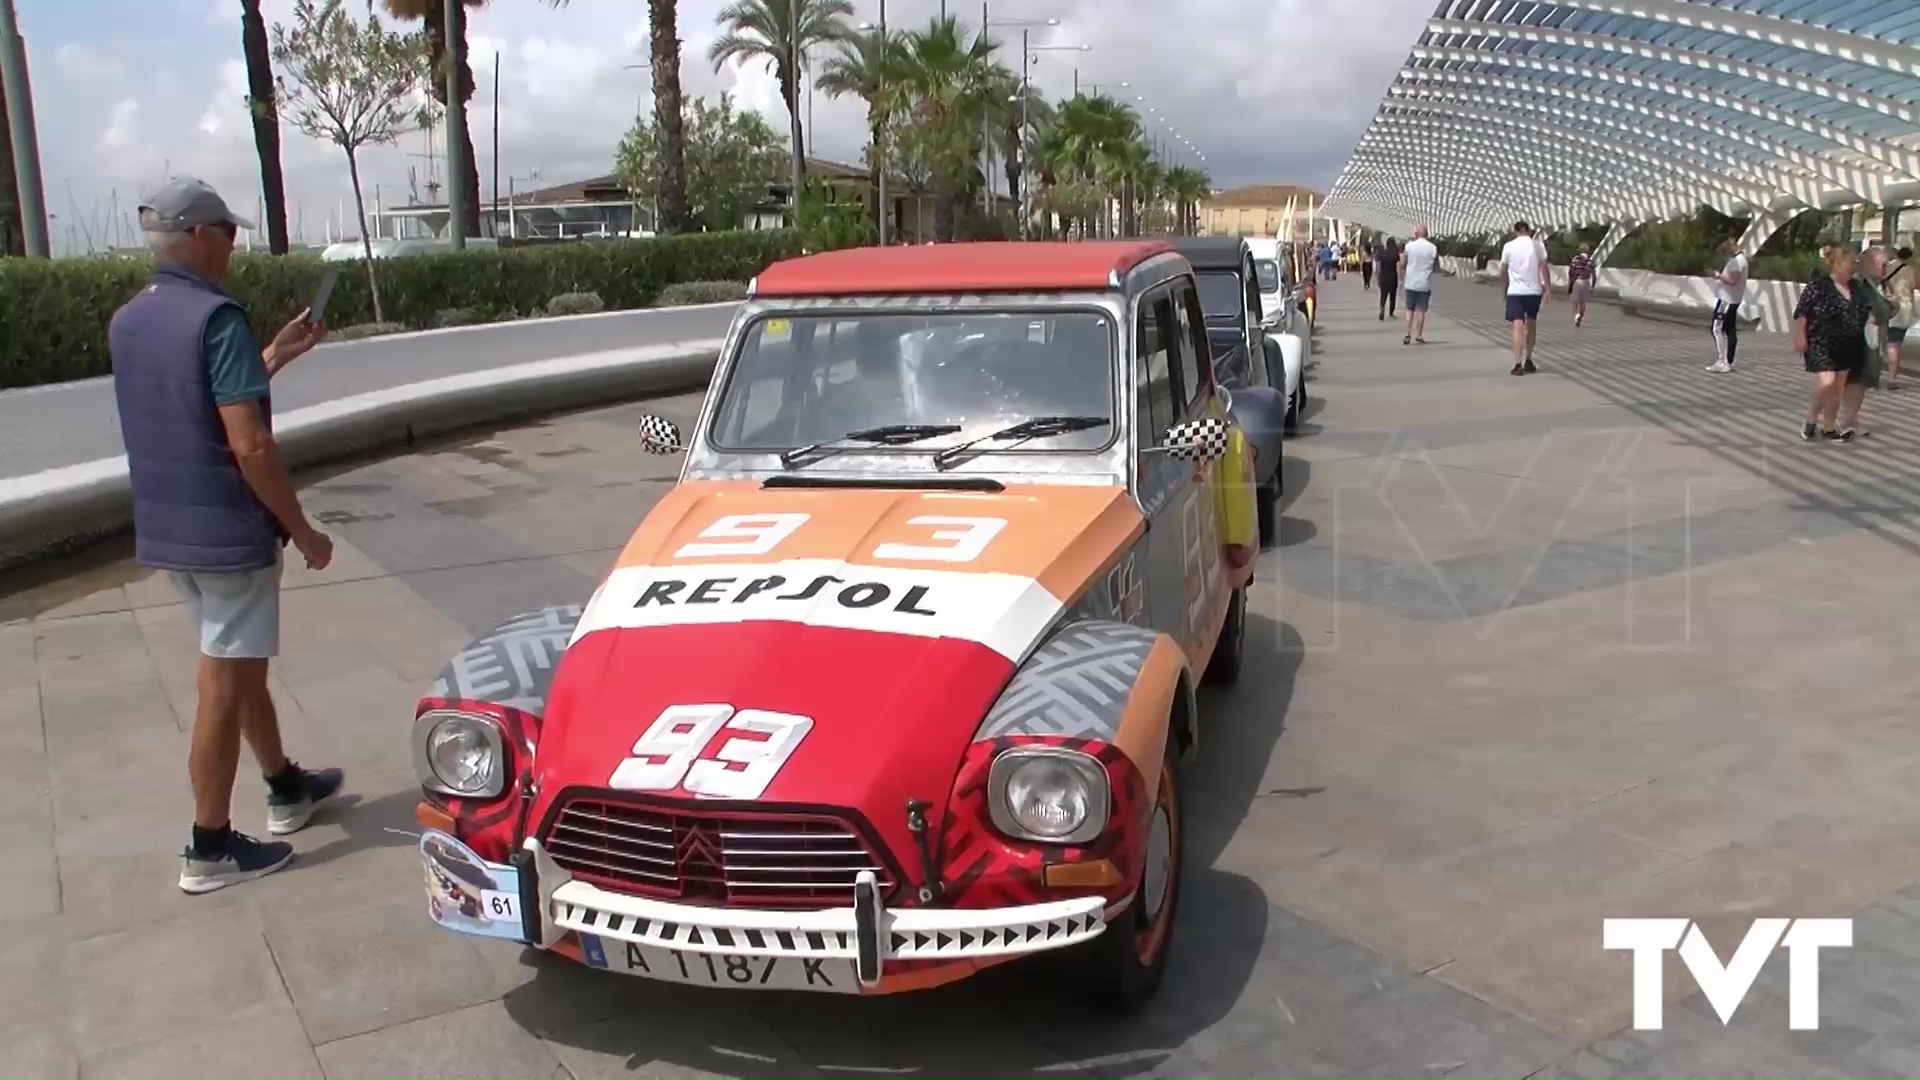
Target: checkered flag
[(659, 435), (1204, 439)]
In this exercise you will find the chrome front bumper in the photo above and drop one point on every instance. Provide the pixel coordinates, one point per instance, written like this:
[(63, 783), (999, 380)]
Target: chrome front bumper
[(866, 933)]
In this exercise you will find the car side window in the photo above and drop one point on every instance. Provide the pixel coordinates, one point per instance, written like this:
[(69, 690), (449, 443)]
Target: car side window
[(1250, 277), (1193, 357), (1153, 368)]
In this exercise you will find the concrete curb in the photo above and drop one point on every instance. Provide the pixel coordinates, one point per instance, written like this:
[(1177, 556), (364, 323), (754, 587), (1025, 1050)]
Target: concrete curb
[(52, 511)]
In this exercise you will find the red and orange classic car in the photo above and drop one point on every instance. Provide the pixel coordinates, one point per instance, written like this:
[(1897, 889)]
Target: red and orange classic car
[(896, 683)]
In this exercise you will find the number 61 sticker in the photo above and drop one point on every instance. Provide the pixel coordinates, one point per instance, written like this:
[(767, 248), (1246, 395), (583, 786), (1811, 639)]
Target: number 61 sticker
[(673, 751)]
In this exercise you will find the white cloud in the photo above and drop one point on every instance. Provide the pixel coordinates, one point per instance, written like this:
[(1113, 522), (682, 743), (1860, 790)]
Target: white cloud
[(83, 64), (120, 131)]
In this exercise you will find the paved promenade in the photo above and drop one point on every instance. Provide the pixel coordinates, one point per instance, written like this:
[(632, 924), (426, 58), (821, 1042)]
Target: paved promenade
[(1533, 652)]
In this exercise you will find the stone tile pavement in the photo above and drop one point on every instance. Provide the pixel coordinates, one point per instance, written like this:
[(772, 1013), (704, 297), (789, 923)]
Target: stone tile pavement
[(1535, 652)]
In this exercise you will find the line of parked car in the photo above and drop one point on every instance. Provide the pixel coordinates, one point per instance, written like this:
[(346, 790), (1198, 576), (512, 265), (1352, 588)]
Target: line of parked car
[(1259, 328)]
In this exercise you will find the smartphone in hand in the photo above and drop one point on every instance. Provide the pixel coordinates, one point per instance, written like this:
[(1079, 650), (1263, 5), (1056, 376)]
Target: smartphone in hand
[(317, 311)]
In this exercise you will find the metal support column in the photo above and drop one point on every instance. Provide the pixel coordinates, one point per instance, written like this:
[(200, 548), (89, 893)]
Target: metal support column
[(26, 143), (1763, 226), (1616, 232)]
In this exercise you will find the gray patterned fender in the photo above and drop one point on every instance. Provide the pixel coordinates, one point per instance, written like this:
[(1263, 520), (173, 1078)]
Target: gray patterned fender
[(1075, 685), (514, 665)]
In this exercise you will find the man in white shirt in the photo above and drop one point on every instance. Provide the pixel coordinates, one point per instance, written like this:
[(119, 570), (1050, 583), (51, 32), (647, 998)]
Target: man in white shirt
[(1416, 276), (1729, 289), (1523, 263)]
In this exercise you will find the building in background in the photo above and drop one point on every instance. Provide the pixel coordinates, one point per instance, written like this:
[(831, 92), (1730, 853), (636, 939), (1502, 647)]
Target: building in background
[(1259, 210), (599, 207)]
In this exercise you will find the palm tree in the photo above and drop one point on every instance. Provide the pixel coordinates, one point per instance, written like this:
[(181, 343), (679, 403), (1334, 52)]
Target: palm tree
[(663, 46), (863, 67), (1188, 186), (433, 19), (13, 237), (1020, 108), (266, 122), (1090, 143), (780, 33), (939, 104)]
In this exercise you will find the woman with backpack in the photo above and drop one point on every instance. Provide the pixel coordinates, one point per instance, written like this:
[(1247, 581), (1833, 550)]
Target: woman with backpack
[(1898, 287)]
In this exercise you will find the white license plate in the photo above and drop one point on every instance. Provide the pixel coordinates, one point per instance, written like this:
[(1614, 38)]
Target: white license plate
[(714, 969)]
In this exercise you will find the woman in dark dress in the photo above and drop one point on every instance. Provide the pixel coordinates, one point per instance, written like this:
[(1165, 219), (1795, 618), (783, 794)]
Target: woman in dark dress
[(1386, 271), (1830, 332)]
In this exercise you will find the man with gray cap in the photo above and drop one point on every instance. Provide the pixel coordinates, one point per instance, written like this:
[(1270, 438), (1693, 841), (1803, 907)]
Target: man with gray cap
[(213, 504)]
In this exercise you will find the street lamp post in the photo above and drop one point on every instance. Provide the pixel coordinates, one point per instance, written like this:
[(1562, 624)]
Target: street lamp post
[(886, 207), (1026, 57), (986, 134), (639, 111), (883, 206), (26, 148)]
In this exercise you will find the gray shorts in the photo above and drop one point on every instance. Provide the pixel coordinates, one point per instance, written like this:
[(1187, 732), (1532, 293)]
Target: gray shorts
[(1418, 299), (238, 615)]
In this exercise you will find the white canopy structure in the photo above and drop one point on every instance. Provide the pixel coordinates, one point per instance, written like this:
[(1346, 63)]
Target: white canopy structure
[(1618, 112)]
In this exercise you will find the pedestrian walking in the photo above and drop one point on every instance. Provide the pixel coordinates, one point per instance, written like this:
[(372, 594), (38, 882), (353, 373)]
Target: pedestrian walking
[(1366, 266), (1829, 333), (1580, 275), (1867, 278), (213, 505), (1897, 284), (1417, 261), (1729, 290), (1523, 266), (1387, 273)]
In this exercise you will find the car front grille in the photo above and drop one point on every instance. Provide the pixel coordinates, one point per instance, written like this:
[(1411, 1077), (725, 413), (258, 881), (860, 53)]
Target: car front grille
[(733, 858)]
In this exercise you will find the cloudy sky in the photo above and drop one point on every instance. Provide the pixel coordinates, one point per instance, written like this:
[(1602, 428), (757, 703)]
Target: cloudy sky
[(1269, 90)]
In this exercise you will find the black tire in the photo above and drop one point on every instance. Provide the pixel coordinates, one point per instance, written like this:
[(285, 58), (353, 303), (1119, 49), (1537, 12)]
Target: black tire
[(1228, 653), (1299, 398), (1123, 967), (1266, 500)]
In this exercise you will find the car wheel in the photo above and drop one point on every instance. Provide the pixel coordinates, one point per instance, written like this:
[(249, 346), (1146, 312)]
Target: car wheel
[(1224, 668), (1266, 500), (1293, 411), (1123, 967)]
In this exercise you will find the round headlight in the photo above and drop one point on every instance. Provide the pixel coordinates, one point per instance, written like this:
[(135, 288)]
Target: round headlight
[(462, 755), (1059, 797), (1048, 797)]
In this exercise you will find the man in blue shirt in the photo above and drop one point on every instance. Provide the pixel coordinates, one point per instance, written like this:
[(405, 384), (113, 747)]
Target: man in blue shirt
[(214, 504)]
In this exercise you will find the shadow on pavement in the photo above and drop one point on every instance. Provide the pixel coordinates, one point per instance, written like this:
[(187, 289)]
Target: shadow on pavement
[(1020, 1019)]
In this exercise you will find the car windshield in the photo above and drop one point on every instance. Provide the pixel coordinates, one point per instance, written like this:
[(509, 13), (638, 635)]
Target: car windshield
[(801, 380), (1220, 295), (1268, 273)]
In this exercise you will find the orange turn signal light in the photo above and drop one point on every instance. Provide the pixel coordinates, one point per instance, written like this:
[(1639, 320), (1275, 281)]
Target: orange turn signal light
[(1094, 874), (432, 817)]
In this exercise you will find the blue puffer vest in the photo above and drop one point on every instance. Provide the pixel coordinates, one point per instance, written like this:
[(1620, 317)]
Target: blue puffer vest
[(192, 509)]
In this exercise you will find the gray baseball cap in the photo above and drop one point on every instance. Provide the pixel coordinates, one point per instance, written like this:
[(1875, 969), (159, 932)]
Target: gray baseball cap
[(184, 202)]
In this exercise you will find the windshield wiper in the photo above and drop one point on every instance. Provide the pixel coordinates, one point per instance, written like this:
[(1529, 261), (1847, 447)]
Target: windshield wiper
[(1040, 427), (889, 435)]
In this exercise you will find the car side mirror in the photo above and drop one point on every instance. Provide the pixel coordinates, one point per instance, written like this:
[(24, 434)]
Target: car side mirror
[(659, 435), (1203, 440)]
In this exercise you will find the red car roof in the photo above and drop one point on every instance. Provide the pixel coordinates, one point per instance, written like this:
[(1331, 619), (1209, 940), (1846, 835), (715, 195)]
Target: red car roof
[(1041, 266)]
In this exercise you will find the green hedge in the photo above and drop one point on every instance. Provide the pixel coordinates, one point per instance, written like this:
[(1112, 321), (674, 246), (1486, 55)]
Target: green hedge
[(53, 313)]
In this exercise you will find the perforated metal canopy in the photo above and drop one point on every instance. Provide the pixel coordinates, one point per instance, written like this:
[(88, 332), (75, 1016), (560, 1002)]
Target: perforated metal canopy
[(1584, 112)]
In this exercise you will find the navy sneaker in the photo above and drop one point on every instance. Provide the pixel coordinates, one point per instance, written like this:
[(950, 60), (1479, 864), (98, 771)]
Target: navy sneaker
[(243, 860), (290, 813)]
